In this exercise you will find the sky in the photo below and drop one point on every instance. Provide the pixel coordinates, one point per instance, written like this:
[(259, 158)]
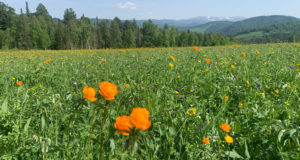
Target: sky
[(163, 9)]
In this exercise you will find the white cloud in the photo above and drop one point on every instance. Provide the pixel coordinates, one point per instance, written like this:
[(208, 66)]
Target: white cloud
[(127, 5)]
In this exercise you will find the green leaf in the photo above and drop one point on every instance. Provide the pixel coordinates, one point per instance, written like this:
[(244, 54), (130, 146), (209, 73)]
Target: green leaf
[(4, 106), (246, 150), (280, 134), (233, 154), (27, 125)]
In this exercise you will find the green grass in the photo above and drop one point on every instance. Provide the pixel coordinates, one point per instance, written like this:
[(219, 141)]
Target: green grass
[(47, 117)]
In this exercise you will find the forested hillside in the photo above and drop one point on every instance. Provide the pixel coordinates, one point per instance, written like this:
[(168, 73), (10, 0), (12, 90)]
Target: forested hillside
[(38, 30)]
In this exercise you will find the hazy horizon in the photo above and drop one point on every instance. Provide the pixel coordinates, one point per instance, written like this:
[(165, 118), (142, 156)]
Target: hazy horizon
[(161, 9)]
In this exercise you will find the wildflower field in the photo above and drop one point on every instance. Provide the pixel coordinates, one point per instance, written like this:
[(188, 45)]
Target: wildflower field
[(227, 102)]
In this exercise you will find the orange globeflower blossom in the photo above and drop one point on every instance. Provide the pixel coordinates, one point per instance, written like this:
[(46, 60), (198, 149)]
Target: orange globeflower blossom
[(195, 47), (225, 127), (100, 63), (123, 125), (171, 65), (104, 60), (139, 117), (48, 60), (205, 140), (226, 98), (207, 60), (228, 139), (89, 93), (244, 54), (19, 83), (108, 90), (172, 57)]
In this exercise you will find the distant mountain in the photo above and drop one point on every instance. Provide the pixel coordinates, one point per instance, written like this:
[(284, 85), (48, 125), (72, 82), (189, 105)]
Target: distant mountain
[(228, 28), (211, 26), (279, 32)]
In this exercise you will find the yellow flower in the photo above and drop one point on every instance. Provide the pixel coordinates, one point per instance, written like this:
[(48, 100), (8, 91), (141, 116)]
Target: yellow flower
[(191, 111), (126, 85), (241, 104), (191, 90), (267, 86), (199, 61), (232, 66), (14, 78), (176, 92), (287, 103), (171, 57), (178, 76), (206, 69), (171, 65), (228, 139), (257, 52), (226, 98), (265, 63), (262, 94), (247, 82), (276, 91), (297, 69)]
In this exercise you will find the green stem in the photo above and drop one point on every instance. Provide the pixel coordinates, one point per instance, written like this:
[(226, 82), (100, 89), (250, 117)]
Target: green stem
[(135, 136), (102, 130), (90, 132)]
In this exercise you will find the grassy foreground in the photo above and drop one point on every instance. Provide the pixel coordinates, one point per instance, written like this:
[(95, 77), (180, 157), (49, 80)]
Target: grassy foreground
[(43, 114)]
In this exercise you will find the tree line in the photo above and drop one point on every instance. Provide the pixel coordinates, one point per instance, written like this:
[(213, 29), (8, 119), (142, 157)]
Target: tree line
[(38, 30)]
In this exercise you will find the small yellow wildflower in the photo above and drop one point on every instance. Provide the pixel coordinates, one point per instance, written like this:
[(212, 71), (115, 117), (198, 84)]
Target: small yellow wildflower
[(178, 76), (241, 104), (206, 69), (14, 78), (176, 92), (226, 98), (191, 111), (191, 90), (171, 65), (126, 85), (276, 91), (287, 103), (232, 66), (247, 82), (262, 94), (199, 61)]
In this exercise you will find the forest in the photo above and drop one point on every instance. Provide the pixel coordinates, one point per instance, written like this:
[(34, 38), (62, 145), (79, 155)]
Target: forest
[(39, 30)]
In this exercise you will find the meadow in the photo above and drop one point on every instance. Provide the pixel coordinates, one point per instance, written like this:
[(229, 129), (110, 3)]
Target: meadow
[(227, 102)]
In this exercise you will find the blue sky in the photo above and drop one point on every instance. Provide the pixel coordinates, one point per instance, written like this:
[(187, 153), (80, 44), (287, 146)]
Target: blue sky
[(164, 9)]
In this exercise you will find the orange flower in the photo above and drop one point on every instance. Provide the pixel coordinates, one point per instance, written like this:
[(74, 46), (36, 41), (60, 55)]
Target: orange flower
[(171, 65), (228, 139), (226, 98), (89, 93), (205, 140), (257, 52), (195, 47), (207, 60), (100, 63), (48, 60), (244, 54), (139, 117), (104, 60), (225, 127), (108, 90), (123, 125), (19, 83)]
